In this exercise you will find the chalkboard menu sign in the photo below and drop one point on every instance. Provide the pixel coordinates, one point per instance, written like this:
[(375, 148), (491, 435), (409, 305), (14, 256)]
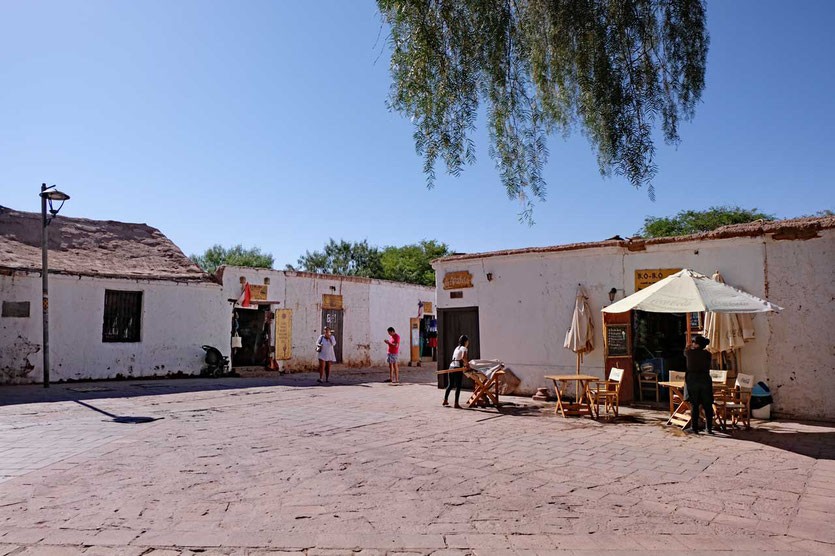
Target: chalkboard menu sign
[(695, 321), (617, 340)]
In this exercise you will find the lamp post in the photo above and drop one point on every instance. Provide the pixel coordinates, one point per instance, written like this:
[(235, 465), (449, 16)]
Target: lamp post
[(48, 194)]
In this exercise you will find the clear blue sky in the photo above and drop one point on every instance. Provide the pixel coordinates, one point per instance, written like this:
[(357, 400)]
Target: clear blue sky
[(264, 123)]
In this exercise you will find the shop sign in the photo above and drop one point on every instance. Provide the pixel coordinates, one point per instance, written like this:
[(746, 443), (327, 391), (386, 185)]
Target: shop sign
[(427, 308), (257, 292), (283, 334), (331, 301), (458, 280), (648, 277)]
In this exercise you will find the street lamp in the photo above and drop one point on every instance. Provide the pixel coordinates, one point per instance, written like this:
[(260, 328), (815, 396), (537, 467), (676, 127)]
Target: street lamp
[(48, 195)]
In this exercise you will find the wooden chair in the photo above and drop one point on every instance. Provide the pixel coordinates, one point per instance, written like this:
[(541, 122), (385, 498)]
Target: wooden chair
[(718, 376), (607, 392), (485, 390), (736, 405), (647, 382), (675, 400)]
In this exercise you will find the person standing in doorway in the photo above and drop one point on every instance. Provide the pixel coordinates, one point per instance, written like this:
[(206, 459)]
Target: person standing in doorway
[(324, 346), (698, 388), (393, 344), (460, 360)]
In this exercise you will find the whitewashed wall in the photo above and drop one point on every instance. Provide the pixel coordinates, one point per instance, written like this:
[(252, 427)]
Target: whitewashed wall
[(177, 318), (369, 308), (801, 353), (526, 309)]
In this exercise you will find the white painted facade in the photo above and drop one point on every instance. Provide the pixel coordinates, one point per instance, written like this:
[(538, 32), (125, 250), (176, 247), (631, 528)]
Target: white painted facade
[(177, 319), (369, 308), (525, 310)]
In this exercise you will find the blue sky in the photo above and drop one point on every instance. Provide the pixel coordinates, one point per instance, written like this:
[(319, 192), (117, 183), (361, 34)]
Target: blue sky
[(264, 123)]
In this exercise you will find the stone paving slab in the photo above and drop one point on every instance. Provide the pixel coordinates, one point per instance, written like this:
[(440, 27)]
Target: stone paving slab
[(283, 466)]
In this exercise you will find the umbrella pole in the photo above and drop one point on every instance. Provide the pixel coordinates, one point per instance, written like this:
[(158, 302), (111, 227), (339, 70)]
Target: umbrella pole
[(577, 382)]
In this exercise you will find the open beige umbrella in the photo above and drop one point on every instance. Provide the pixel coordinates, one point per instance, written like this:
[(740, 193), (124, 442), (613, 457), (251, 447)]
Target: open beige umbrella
[(580, 337), (687, 291)]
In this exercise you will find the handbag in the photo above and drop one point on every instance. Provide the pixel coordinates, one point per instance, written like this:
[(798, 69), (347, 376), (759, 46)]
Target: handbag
[(236, 341), (319, 345)]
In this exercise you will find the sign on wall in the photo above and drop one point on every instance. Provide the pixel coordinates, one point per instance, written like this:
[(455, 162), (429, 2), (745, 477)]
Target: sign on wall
[(427, 308), (258, 292), (648, 277), (283, 334), (458, 280), (331, 301)]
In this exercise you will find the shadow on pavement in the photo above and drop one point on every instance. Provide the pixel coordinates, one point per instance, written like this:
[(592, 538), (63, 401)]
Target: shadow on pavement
[(814, 441), (108, 389), (120, 418)]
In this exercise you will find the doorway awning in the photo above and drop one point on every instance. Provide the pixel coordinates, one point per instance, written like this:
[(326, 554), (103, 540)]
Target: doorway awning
[(687, 291)]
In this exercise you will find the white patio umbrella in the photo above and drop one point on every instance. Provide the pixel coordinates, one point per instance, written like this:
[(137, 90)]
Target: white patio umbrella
[(687, 291), (580, 337)]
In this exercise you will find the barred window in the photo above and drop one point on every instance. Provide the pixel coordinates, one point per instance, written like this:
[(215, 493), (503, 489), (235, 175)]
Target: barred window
[(122, 316)]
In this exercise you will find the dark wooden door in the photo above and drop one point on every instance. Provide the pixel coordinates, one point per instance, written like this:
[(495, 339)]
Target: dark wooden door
[(332, 318), (452, 323)]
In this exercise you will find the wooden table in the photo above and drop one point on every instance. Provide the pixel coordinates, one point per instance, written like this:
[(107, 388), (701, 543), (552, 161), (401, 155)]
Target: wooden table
[(583, 404), (679, 415)]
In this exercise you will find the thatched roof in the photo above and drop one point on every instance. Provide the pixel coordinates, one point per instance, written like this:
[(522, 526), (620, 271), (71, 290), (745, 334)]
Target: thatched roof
[(101, 248)]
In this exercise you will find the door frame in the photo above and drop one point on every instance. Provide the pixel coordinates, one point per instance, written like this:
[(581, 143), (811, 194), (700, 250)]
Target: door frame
[(337, 349), (442, 356)]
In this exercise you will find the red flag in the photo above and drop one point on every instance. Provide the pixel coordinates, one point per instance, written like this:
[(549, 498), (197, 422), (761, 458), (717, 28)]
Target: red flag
[(246, 297)]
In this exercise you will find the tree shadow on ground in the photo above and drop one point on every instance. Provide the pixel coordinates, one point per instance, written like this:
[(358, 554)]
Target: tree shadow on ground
[(811, 440)]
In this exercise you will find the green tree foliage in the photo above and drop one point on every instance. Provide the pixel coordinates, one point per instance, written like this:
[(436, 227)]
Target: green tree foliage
[(413, 263), (410, 263), (343, 258), (614, 69), (696, 221), (237, 255)]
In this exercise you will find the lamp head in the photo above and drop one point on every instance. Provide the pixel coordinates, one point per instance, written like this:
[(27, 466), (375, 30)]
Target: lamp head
[(612, 293)]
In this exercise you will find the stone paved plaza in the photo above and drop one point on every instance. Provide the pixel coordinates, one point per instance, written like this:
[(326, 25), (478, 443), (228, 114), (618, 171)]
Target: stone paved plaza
[(284, 466)]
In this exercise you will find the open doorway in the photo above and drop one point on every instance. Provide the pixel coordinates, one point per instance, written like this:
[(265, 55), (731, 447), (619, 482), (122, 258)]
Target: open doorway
[(659, 338), (252, 326), (452, 323)]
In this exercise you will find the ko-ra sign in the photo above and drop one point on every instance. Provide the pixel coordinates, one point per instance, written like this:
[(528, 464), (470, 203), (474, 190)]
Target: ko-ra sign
[(648, 277), (458, 280)]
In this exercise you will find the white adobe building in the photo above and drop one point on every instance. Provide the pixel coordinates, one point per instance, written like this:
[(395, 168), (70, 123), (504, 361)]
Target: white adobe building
[(124, 300), (516, 305), (359, 309)]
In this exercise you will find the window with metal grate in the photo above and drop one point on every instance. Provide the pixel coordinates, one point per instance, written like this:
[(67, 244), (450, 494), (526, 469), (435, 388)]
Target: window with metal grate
[(122, 316)]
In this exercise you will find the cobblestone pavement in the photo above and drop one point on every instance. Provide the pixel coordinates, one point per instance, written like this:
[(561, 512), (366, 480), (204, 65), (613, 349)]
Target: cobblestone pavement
[(284, 466)]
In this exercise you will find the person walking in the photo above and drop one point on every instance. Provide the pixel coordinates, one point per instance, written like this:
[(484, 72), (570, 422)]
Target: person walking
[(324, 347), (393, 344), (698, 387), (460, 360)]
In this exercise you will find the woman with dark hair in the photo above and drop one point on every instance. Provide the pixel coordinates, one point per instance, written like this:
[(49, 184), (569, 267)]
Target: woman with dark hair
[(698, 388), (461, 361)]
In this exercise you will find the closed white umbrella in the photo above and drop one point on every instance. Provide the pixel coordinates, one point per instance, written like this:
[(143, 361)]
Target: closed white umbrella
[(687, 291), (724, 330), (580, 337)]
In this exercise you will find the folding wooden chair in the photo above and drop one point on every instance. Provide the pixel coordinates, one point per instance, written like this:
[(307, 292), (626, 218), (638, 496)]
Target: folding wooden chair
[(675, 400), (737, 405), (607, 392), (486, 390), (718, 376)]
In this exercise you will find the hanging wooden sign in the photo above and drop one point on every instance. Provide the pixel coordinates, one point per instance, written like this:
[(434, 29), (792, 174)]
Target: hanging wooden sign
[(283, 334), (427, 308), (458, 280), (257, 292), (331, 301), (648, 277)]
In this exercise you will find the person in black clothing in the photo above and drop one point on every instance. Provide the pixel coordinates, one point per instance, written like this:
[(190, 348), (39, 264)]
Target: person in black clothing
[(698, 388)]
